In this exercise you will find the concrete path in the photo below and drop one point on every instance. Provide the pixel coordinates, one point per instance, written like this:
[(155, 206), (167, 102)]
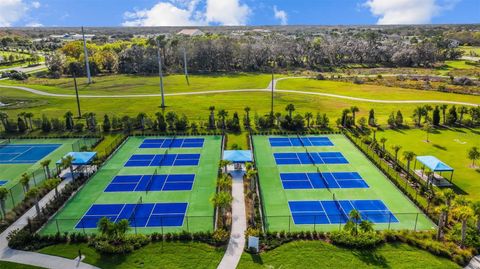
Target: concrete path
[(38, 92), (33, 258), (474, 263), (239, 224)]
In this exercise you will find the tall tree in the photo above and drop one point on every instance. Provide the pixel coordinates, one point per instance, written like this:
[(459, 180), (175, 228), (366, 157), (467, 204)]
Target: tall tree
[(473, 155), (290, 108), (354, 110), (444, 110)]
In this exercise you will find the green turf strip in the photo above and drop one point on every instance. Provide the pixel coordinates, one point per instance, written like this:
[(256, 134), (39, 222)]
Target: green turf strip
[(275, 198), (199, 212)]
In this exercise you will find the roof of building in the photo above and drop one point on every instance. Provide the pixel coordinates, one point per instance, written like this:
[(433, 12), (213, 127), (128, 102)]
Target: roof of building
[(80, 158), (237, 156), (434, 164), (190, 32)]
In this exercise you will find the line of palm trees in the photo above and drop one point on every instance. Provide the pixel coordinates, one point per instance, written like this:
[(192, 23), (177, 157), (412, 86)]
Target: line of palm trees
[(222, 199)]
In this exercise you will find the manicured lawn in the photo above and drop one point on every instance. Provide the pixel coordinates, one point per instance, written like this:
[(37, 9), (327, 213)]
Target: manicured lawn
[(132, 84), (154, 255), (371, 91), (450, 146), (459, 64), (317, 254), (468, 49), (239, 139), (12, 265)]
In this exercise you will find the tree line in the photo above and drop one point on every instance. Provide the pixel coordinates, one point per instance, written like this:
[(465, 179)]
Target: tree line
[(213, 53)]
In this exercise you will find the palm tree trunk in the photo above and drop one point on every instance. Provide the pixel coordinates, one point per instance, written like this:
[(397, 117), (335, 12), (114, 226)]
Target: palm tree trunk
[(440, 226), (71, 172), (2, 206), (37, 207), (478, 223)]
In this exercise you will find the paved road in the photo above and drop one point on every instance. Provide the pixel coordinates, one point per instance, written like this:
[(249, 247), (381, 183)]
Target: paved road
[(38, 92), (25, 69)]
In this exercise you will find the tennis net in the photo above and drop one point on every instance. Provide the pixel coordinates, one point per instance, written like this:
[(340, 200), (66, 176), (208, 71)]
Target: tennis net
[(134, 211), (339, 207), (149, 183)]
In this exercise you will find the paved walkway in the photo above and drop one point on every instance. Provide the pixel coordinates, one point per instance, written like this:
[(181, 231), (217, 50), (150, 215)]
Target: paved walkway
[(38, 92), (33, 258), (474, 263), (239, 224)]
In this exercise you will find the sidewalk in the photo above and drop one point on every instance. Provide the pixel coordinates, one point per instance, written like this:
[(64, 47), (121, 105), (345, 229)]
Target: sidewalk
[(33, 258), (239, 224)]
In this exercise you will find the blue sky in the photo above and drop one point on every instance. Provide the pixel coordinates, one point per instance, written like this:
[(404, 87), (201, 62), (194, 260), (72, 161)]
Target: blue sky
[(234, 12)]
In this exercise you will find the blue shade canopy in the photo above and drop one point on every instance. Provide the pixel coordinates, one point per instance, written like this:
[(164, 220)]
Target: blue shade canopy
[(237, 156), (80, 158), (434, 164)]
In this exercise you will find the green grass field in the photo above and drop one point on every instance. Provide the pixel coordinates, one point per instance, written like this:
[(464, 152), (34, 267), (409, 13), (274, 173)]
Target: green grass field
[(317, 254), (133, 84), (468, 49), (12, 265), (155, 255), (275, 198), (459, 64), (199, 212), (450, 146)]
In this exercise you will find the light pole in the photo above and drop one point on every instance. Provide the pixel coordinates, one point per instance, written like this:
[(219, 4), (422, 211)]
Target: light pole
[(76, 93), (160, 73)]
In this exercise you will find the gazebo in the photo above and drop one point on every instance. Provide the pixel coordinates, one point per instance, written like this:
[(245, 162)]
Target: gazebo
[(82, 161), (237, 157), (434, 165)]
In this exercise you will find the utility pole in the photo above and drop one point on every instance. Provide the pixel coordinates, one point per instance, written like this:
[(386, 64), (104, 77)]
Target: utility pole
[(160, 73), (273, 86), (85, 51), (185, 65), (76, 93)]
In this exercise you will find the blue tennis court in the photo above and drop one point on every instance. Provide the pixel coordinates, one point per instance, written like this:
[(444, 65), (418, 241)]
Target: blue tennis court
[(336, 212), (139, 215), (163, 160), (172, 143), (334, 180), (307, 141), (25, 153), (290, 158), (129, 183)]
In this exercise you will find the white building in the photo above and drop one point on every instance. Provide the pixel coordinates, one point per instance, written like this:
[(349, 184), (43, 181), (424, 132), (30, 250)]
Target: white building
[(190, 32)]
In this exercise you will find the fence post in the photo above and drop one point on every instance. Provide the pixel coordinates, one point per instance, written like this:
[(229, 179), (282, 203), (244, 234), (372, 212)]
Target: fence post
[(13, 200), (135, 223), (186, 218), (416, 219), (314, 223), (389, 220)]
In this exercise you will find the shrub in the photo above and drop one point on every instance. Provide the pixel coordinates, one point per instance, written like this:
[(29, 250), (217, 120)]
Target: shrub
[(220, 236), (361, 240)]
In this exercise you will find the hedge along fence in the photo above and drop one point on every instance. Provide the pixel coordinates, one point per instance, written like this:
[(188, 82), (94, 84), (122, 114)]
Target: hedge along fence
[(305, 132), (394, 176)]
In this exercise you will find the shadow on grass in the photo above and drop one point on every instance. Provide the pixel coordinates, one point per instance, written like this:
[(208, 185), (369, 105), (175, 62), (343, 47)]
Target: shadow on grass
[(458, 130), (440, 147), (256, 258), (372, 258)]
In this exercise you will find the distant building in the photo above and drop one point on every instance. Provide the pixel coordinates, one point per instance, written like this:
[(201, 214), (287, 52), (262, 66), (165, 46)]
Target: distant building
[(190, 32), (72, 37)]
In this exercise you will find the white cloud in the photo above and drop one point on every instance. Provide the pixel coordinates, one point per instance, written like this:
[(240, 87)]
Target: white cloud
[(11, 11), (227, 12), (407, 11), (34, 24), (281, 15), (189, 13), (35, 4)]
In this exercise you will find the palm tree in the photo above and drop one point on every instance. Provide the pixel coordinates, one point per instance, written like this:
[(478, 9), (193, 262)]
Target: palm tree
[(473, 155), (476, 212), (224, 183), (68, 120), (463, 213), (444, 109), (408, 156), (383, 140), (366, 226), (34, 194), (3, 197), (4, 120), (29, 116), (67, 161), (224, 164), (442, 211), (308, 117), (290, 108), (428, 128), (141, 119), (354, 110), (247, 112), (52, 184), (45, 164), (211, 119), (278, 117), (222, 200), (462, 110), (396, 149), (449, 195), (25, 181), (354, 217), (251, 175), (222, 113)]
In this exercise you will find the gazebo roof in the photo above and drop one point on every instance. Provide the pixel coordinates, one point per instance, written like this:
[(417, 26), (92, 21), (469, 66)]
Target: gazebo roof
[(237, 156), (80, 158), (434, 164)]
